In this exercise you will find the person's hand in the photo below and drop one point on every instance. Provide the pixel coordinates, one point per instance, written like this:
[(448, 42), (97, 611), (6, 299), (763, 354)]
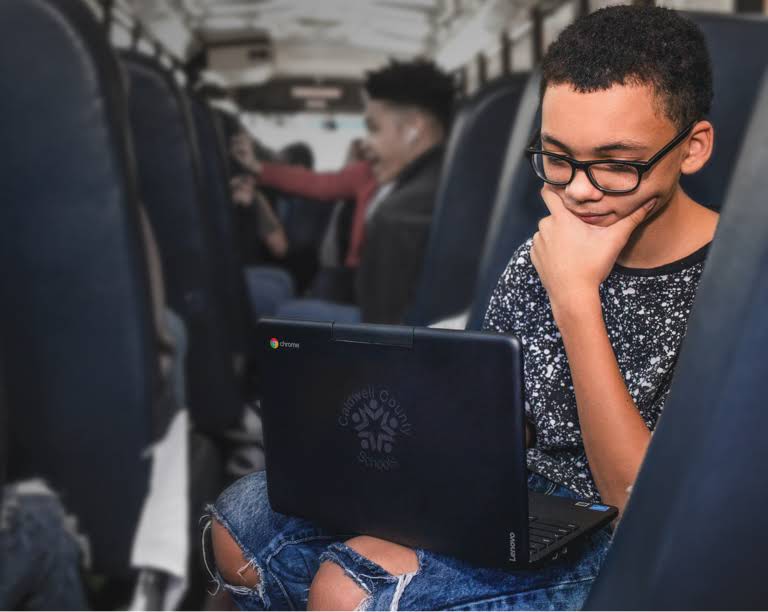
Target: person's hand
[(572, 257), (242, 151), (242, 189)]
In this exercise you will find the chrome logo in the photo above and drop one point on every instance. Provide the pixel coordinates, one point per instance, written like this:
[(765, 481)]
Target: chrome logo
[(274, 343)]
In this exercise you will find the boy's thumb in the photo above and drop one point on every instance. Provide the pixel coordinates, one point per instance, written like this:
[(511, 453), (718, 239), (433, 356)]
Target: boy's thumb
[(631, 222)]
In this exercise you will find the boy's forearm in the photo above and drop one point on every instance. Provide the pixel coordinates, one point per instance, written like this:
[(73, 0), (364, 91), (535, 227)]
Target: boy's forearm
[(615, 436)]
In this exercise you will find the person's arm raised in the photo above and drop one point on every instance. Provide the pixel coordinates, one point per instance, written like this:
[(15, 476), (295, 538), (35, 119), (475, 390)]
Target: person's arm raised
[(572, 259), (297, 180), (324, 186)]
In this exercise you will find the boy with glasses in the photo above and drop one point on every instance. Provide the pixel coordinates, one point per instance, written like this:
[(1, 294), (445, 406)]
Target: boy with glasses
[(600, 298)]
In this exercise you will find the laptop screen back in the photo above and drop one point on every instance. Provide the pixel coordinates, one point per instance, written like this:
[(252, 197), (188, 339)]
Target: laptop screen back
[(413, 435)]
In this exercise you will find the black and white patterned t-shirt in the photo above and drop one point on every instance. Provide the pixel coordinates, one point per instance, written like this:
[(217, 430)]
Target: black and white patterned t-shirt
[(646, 315)]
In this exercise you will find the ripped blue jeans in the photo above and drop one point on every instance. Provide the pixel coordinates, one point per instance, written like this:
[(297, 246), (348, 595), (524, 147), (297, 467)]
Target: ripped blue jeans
[(40, 551), (287, 552)]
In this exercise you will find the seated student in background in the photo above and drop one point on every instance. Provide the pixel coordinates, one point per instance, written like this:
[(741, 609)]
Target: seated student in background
[(600, 298), (271, 233), (408, 108), (261, 238), (355, 182), (304, 219)]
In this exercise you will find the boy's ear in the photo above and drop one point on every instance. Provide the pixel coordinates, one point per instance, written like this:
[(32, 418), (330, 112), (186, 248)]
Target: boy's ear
[(700, 145)]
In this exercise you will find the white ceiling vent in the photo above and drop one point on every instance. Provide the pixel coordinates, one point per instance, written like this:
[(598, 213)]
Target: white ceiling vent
[(242, 60)]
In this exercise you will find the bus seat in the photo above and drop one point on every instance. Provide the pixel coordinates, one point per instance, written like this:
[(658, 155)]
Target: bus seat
[(692, 534), (3, 431), (76, 313), (738, 45), (171, 188), (517, 206), (471, 169), (219, 212)]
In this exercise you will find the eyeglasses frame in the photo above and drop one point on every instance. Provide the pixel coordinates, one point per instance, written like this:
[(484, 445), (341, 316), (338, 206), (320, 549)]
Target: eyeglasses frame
[(641, 166)]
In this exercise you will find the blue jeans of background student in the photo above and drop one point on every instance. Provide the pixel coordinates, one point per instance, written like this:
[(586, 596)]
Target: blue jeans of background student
[(287, 551), (268, 287), (39, 553)]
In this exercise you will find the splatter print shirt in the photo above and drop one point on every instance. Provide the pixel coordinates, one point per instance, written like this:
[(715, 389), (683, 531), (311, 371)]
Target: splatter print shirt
[(646, 314)]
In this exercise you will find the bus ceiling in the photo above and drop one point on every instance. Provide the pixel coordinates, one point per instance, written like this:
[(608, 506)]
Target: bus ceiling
[(291, 56)]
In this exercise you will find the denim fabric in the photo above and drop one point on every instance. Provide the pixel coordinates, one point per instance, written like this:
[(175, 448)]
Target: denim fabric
[(268, 287), (39, 554), (287, 551)]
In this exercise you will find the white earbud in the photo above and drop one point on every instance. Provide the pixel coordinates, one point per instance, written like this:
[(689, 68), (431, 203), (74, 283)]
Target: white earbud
[(411, 135)]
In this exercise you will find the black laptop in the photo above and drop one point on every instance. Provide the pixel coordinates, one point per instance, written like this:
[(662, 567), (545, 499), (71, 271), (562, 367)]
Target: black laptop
[(414, 435)]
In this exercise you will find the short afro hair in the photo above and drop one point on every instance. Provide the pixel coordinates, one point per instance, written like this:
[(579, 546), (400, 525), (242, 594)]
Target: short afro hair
[(419, 83), (644, 45)]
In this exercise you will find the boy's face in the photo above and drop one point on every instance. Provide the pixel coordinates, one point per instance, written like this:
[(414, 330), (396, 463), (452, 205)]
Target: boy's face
[(622, 122), (387, 145)]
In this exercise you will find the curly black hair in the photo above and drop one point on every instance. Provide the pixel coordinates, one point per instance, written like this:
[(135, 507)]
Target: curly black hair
[(636, 44), (419, 83)]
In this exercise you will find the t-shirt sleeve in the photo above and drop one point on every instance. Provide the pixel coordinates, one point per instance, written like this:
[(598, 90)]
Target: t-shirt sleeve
[(500, 315)]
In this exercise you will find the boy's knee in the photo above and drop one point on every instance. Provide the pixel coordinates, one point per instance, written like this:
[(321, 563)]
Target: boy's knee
[(332, 589), (394, 558), (230, 561)]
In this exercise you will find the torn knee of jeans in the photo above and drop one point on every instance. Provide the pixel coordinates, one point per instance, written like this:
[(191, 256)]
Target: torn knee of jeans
[(380, 586), (337, 587), (231, 569)]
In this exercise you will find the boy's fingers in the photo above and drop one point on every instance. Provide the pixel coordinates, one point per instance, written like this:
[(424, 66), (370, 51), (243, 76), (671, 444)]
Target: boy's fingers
[(630, 223), (551, 201)]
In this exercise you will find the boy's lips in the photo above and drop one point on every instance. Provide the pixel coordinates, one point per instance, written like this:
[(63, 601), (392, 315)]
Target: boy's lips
[(591, 218)]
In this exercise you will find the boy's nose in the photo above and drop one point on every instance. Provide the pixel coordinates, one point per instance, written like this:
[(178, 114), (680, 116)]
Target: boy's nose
[(580, 189)]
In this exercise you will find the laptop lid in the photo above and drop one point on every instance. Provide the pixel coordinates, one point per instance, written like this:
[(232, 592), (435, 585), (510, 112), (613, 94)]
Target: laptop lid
[(414, 435)]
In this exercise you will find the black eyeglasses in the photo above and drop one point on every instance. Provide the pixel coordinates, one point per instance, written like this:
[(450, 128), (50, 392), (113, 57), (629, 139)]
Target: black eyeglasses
[(607, 175)]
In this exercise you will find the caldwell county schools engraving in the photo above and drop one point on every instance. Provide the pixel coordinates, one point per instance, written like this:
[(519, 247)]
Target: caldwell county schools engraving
[(379, 420)]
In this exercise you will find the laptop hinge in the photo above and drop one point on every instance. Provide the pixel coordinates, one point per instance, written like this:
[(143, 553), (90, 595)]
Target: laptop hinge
[(389, 335)]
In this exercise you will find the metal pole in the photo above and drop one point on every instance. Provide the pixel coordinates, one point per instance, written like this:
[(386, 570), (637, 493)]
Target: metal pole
[(135, 35), (482, 70), (537, 38), (506, 53), (108, 6)]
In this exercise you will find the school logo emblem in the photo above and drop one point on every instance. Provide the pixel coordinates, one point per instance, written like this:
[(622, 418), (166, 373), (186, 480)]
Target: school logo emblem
[(379, 422)]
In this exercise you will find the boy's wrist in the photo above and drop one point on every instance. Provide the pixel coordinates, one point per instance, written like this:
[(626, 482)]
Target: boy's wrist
[(576, 308)]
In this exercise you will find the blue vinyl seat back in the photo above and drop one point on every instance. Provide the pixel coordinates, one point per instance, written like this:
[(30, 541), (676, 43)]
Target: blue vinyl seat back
[(218, 211), (517, 206), (3, 430), (171, 188), (470, 175), (692, 535), (738, 45), (81, 361)]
